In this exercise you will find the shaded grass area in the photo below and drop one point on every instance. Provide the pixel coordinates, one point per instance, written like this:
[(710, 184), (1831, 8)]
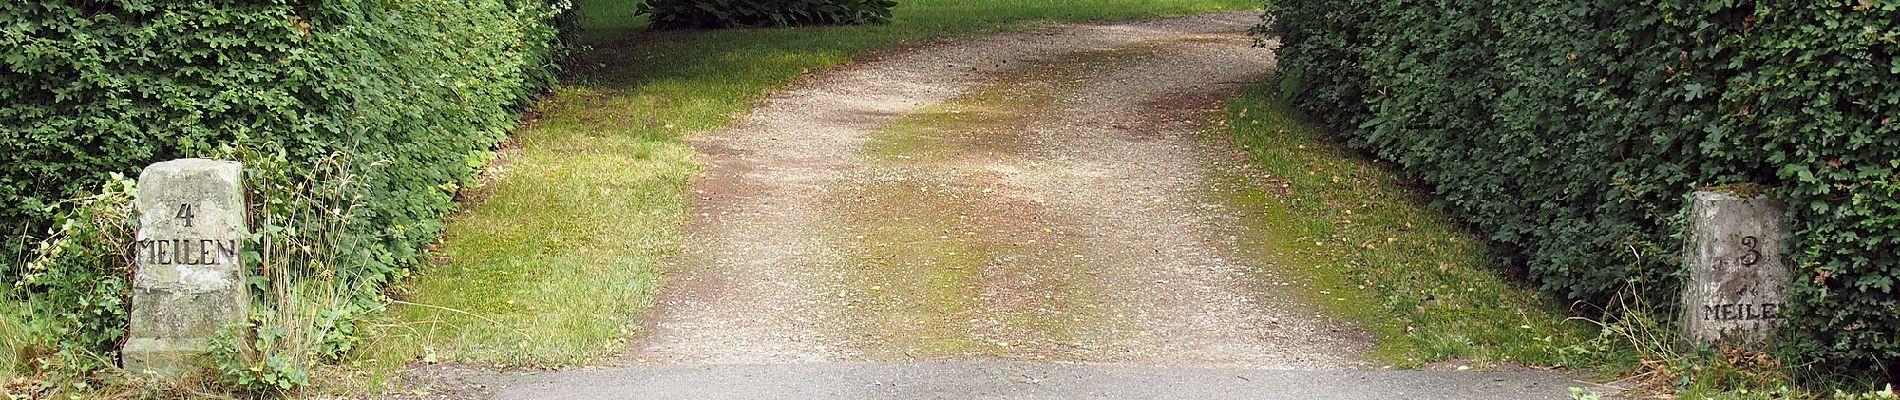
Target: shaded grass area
[(1373, 252), (555, 256)]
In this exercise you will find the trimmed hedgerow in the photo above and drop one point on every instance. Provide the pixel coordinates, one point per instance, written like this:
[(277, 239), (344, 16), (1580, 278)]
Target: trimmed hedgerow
[(713, 14), (1571, 132), (422, 88)]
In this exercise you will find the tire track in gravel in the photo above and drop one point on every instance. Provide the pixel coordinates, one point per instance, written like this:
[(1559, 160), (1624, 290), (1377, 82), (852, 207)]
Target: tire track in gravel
[(1027, 196)]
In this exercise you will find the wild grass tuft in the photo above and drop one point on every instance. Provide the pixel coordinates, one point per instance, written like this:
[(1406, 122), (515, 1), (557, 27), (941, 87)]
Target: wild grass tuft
[(1642, 351), (19, 342), (307, 315)]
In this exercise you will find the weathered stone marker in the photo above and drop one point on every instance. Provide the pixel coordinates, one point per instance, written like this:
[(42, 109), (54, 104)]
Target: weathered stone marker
[(1736, 271), (189, 281)]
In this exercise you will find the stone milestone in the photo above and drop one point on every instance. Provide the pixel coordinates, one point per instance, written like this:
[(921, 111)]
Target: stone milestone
[(189, 279), (1736, 269)]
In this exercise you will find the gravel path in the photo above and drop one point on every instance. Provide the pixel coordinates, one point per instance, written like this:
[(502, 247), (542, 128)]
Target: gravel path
[(1112, 162), (1029, 205)]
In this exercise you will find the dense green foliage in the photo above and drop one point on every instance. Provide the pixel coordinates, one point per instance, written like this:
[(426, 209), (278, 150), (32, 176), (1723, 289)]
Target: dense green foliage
[(422, 88), (75, 289), (1571, 133), (413, 94), (700, 14)]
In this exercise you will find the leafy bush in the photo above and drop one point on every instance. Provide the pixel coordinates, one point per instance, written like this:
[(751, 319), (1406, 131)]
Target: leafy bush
[(425, 87), (1571, 133), (308, 312), (78, 285), (414, 92), (701, 14)]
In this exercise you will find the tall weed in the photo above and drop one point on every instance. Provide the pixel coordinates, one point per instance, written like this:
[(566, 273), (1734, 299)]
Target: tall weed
[(309, 310)]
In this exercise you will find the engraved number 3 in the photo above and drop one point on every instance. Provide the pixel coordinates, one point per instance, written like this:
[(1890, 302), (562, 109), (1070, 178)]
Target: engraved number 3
[(184, 213), (1753, 246)]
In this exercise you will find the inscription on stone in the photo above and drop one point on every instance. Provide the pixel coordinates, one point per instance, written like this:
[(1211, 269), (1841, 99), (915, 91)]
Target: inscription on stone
[(189, 278), (1736, 271), (187, 252)]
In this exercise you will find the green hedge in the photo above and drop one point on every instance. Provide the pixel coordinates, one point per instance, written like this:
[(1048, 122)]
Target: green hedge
[(417, 92), (704, 14), (1571, 133)]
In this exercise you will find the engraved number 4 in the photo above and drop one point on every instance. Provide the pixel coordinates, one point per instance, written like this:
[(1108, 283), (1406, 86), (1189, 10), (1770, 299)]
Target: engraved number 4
[(184, 213)]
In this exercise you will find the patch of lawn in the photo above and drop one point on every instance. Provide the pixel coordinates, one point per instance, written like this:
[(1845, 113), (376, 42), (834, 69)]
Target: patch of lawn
[(555, 257), (1371, 251)]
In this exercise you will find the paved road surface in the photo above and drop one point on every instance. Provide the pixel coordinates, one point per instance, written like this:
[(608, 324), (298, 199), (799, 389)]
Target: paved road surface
[(1018, 380)]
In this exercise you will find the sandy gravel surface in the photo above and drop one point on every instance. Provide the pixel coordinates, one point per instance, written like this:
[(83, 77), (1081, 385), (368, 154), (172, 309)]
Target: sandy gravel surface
[(1022, 215), (1084, 234)]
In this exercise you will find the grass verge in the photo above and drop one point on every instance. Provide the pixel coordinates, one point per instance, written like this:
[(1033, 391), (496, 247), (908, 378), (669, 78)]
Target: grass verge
[(1375, 254), (555, 256), (1421, 283)]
